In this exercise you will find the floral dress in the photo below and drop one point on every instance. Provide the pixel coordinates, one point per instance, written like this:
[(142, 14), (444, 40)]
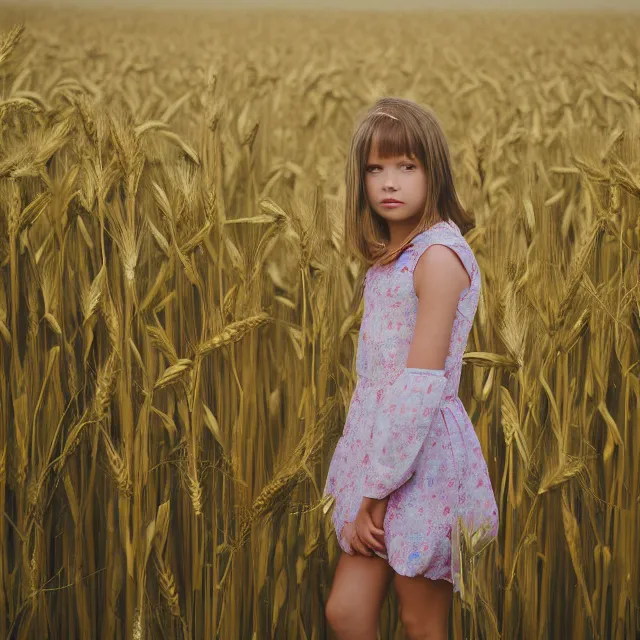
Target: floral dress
[(448, 488)]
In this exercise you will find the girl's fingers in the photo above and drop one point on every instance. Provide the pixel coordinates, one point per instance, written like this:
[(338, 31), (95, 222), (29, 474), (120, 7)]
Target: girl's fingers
[(362, 550), (366, 542), (374, 544), (373, 527), (378, 535), (360, 546), (377, 532), (355, 543), (367, 536)]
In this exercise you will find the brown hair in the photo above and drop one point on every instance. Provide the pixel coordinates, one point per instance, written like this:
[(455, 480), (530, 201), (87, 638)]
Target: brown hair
[(400, 127)]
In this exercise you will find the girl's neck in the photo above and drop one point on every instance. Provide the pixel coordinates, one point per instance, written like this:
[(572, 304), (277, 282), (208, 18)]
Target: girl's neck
[(399, 232)]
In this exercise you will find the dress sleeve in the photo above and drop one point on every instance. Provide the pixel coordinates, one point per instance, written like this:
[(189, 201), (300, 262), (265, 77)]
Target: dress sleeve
[(408, 408)]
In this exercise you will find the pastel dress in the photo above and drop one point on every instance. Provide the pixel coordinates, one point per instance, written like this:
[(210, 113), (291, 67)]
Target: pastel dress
[(407, 434)]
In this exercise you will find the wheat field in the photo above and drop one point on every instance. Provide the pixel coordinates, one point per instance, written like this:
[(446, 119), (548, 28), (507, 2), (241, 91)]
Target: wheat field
[(178, 318)]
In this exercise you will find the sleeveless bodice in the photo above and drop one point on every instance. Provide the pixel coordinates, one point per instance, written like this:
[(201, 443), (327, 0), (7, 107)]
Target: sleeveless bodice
[(391, 305)]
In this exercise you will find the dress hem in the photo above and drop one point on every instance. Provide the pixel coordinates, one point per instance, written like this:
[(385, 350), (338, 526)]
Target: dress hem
[(406, 574)]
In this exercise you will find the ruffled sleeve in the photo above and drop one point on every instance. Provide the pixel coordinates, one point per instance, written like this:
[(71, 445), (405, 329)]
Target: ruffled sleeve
[(402, 424)]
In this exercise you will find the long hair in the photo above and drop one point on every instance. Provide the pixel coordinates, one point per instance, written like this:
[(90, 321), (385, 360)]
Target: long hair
[(400, 127)]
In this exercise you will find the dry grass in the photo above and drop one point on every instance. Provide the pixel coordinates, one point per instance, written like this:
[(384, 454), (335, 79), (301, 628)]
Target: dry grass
[(177, 336)]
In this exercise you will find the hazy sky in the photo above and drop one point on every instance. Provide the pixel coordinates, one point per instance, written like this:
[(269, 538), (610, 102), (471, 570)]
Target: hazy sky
[(377, 5)]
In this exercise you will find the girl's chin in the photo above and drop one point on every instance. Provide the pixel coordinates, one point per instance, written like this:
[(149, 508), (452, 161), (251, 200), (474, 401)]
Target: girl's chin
[(401, 217)]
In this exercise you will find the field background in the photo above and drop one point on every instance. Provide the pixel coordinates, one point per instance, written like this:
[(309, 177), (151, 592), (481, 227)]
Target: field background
[(177, 340)]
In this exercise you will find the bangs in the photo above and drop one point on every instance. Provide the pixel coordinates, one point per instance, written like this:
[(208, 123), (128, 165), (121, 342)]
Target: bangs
[(391, 128), (390, 137)]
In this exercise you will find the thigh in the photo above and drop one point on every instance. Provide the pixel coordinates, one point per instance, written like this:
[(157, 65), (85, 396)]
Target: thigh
[(360, 585), (424, 605)]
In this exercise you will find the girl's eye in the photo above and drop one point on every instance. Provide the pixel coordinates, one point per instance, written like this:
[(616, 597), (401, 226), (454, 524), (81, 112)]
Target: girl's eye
[(409, 166)]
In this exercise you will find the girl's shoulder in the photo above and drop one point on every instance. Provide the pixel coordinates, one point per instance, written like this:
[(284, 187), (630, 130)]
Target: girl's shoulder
[(446, 233)]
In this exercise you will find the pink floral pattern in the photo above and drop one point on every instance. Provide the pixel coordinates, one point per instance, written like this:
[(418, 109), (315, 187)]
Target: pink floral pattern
[(402, 424), (407, 434)]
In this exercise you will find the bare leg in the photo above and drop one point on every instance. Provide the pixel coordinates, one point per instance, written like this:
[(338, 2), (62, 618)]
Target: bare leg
[(359, 587), (424, 606)]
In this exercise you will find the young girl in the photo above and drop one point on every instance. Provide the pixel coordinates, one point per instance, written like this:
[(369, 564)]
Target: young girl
[(408, 474)]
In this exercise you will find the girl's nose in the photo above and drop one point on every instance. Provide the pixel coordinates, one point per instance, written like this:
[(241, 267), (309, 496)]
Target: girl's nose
[(390, 182)]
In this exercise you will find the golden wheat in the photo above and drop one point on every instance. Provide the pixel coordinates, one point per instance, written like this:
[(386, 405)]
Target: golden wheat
[(179, 319)]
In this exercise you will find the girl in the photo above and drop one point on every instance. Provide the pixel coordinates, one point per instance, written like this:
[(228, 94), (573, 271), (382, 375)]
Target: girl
[(408, 475)]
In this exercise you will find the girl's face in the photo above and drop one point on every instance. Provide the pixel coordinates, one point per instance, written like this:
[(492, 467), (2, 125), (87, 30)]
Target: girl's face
[(399, 178)]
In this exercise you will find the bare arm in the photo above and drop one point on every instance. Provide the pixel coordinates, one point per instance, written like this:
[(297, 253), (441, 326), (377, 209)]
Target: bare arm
[(439, 279)]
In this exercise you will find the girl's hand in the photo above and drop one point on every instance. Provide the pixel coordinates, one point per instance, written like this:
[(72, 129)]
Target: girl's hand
[(368, 525), (378, 511), (350, 535)]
